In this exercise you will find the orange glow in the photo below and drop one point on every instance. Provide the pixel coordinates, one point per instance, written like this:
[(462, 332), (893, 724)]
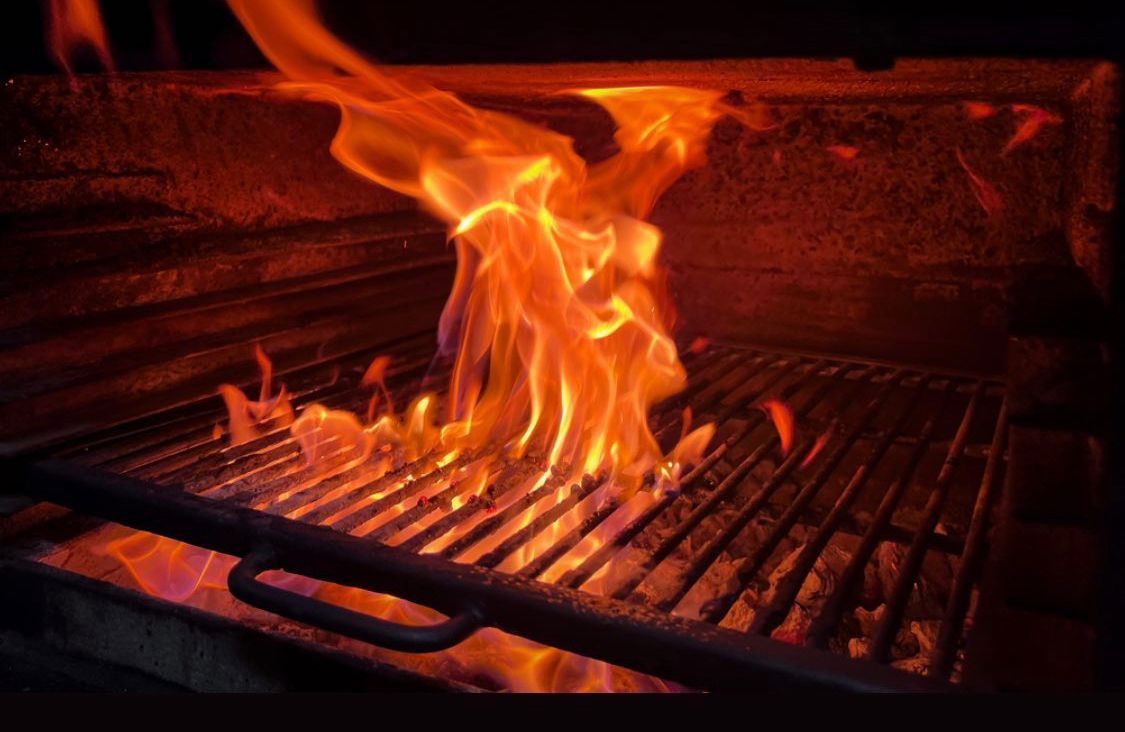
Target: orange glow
[(699, 345), (818, 445), (73, 25), (557, 315), (167, 568), (783, 421), (979, 110), (250, 419), (988, 197), (1034, 119), (558, 324), (375, 377), (844, 152)]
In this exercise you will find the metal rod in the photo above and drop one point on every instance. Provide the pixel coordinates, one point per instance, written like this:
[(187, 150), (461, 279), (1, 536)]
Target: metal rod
[(941, 660), (912, 562), (494, 522), (507, 482), (826, 621), (770, 616), (371, 510), (580, 574), (620, 633), (578, 492), (721, 492), (415, 513), (711, 551)]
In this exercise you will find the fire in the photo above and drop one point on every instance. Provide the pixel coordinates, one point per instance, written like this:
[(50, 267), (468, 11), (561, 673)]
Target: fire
[(557, 325), (1034, 119), (74, 25), (987, 195), (783, 421), (818, 446), (249, 419), (557, 315), (846, 153), (979, 110)]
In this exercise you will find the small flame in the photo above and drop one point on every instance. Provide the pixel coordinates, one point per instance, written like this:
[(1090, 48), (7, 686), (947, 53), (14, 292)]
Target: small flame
[(250, 419), (1034, 119), (844, 152), (783, 421), (818, 446), (72, 26), (979, 110), (375, 376), (988, 197), (699, 345)]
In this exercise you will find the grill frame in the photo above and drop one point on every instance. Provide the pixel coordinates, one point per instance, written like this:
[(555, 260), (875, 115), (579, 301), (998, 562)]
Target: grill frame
[(694, 652)]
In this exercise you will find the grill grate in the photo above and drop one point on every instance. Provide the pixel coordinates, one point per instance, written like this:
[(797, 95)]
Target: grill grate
[(884, 454)]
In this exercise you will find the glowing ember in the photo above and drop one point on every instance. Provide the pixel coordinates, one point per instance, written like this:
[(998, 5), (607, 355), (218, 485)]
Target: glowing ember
[(783, 421), (988, 197), (74, 25), (1034, 119), (844, 152), (699, 345), (979, 110)]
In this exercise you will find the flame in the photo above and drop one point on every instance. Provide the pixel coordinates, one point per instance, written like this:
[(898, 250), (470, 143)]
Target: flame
[(979, 110), (818, 445), (375, 377), (783, 421), (557, 324), (844, 152), (987, 195), (73, 25), (1034, 119), (557, 315), (249, 419)]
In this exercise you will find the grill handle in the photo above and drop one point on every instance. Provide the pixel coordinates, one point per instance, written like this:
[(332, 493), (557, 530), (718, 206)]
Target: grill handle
[(244, 584)]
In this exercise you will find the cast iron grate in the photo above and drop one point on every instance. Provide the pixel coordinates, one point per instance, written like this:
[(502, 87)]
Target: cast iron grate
[(883, 455)]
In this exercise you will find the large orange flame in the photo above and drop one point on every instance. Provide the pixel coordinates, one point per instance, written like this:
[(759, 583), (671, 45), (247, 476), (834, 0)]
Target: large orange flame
[(556, 315), (73, 25), (557, 323)]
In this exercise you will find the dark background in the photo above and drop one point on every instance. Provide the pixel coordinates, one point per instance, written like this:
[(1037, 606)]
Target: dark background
[(203, 34)]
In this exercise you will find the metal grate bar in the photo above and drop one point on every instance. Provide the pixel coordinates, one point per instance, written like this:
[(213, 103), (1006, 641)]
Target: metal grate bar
[(526, 523), (912, 563), (581, 574), (711, 551), (941, 660), (769, 617), (725, 487)]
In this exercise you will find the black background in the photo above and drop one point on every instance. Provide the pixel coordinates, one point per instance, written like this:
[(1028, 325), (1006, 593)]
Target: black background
[(205, 35)]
